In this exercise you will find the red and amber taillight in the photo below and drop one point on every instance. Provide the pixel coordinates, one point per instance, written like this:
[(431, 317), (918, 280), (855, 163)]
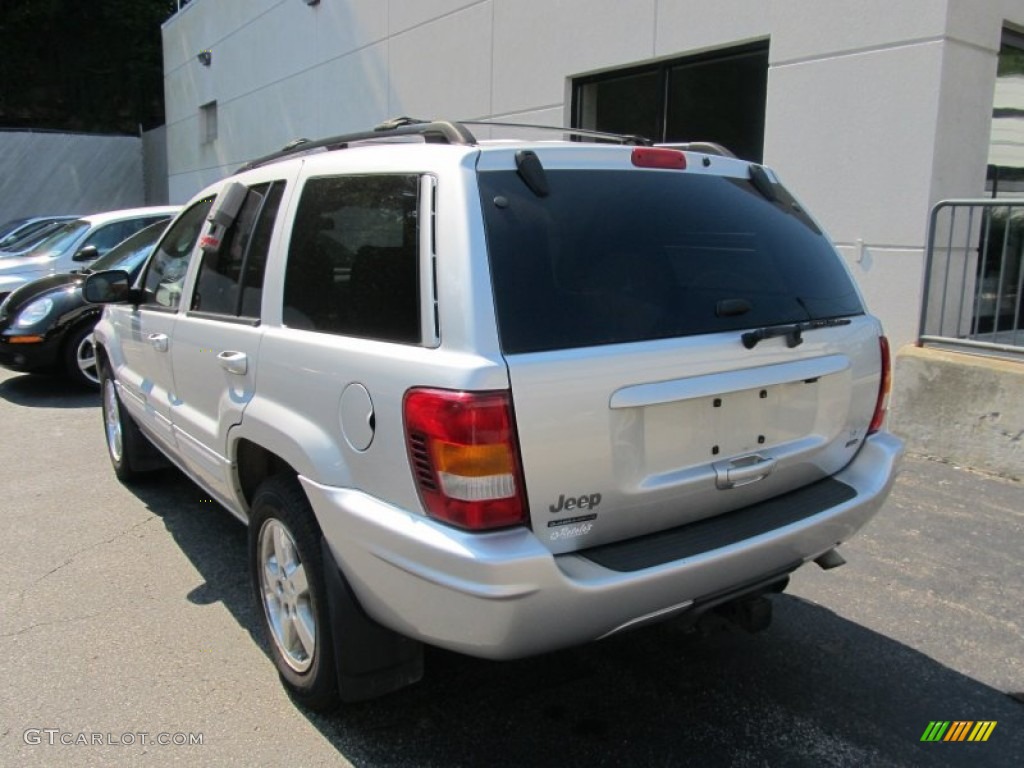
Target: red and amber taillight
[(884, 387), (465, 457)]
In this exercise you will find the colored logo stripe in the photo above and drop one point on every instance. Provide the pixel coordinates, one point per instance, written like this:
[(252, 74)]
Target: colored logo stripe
[(958, 730), (935, 731), (982, 730)]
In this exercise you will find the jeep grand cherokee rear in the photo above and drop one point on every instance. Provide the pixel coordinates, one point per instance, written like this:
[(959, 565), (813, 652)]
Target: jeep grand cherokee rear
[(623, 299), (694, 409), (500, 398)]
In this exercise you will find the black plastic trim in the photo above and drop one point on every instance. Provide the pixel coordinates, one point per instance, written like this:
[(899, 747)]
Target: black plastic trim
[(371, 660), (721, 531)]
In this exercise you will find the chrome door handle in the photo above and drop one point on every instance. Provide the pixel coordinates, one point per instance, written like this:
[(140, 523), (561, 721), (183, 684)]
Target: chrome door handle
[(159, 341), (234, 362), (742, 471)]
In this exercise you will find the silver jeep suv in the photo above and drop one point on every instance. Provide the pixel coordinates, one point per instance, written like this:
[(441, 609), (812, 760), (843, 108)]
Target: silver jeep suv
[(499, 397)]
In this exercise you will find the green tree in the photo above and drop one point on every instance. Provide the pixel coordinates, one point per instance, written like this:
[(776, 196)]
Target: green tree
[(82, 66)]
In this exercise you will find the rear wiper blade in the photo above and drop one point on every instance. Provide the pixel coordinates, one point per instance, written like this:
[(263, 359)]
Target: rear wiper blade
[(793, 333)]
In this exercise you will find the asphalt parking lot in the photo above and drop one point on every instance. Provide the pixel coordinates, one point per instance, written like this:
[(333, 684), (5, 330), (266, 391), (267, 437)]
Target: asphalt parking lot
[(127, 621)]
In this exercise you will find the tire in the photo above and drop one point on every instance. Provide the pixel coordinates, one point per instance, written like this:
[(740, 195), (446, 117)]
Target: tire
[(287, 572), (131, 454), (80, 362)]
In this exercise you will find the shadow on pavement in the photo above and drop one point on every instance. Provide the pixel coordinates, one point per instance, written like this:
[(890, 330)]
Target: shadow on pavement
[(213, 540), (813, 690), (40, 391)]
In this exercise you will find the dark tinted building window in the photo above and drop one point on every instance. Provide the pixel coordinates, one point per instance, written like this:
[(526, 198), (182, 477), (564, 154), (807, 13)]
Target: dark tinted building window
[(230, 279), (353, 264), (717, 97)]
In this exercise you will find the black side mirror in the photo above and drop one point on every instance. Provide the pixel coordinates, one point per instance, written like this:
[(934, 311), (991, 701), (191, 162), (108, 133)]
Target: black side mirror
[(111, 287), (89, 253)]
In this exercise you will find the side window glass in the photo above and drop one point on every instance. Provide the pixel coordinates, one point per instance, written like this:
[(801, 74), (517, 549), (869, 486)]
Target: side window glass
[(259, 248), (106, 237), (353, 265), (165, 272), (230, 280)]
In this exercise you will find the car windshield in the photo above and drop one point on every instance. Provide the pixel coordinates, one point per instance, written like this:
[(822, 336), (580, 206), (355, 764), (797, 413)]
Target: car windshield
[(27, 238), (11, 226), (62, 238), (132, 252)]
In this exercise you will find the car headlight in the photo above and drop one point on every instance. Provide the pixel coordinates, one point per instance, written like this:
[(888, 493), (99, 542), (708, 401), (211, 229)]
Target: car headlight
[(34, 313)]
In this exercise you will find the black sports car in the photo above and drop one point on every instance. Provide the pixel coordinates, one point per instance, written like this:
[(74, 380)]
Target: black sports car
[(46, 325)]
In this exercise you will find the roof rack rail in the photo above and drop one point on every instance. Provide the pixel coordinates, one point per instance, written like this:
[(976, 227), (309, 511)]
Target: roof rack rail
[(432, 131), (621, 138), (705, 147)]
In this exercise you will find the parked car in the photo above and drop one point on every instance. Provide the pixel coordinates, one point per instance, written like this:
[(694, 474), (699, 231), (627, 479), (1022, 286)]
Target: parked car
[(24, 230), (75, 243), (499, 397), (46, 325)]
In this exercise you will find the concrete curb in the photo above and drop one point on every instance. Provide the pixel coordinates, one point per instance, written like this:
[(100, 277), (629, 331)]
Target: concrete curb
[(962, 408)]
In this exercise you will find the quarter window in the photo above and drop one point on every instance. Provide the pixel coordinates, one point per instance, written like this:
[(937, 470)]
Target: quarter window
[(353, 259), (166, 270), (230, 279)]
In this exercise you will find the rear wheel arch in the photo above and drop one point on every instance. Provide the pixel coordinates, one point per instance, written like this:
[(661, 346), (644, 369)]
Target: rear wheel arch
[(255, 464), (102, 358)]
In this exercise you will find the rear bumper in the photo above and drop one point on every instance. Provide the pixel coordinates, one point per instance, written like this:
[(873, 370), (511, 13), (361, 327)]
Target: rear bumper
[(503, 595)]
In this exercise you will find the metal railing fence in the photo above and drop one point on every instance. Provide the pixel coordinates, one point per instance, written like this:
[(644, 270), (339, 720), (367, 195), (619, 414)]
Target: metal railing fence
[(974, 276)]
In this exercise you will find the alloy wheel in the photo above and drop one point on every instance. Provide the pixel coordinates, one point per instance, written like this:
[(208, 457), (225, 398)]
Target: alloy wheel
[(286, 597), (112, 421), (85, 358)]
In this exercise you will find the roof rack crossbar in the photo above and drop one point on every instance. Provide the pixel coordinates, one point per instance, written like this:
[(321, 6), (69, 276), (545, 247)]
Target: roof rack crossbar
[(706, 147), (621, 138), (436, 131), (432, 131)]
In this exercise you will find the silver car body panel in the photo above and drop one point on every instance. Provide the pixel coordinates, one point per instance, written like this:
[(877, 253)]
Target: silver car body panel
[(617, 441), (505, 595)]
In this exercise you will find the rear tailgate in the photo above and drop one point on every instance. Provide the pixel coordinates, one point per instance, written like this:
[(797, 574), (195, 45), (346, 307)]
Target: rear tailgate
[(623, 297), (621, 441)]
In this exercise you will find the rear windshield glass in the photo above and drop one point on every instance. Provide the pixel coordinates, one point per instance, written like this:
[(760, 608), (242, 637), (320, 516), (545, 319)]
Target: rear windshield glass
[(621, 256)]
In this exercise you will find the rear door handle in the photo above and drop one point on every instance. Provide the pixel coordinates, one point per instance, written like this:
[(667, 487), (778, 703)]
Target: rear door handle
[(234, 362), (159, 341), (742, 471)]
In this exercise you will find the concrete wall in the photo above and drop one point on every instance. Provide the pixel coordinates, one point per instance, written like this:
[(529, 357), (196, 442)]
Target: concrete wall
[(876, 109), (154, 166), (43, 173), (962, 408)]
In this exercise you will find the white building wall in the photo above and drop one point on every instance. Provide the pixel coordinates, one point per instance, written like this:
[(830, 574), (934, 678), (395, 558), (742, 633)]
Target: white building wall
[(876, 109)]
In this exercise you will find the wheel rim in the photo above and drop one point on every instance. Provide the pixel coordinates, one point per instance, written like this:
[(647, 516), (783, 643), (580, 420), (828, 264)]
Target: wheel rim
[(286, 598), (85, 357), (112, 419)]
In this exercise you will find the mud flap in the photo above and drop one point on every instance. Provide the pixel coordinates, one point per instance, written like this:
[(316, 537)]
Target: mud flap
[(371, 660)]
